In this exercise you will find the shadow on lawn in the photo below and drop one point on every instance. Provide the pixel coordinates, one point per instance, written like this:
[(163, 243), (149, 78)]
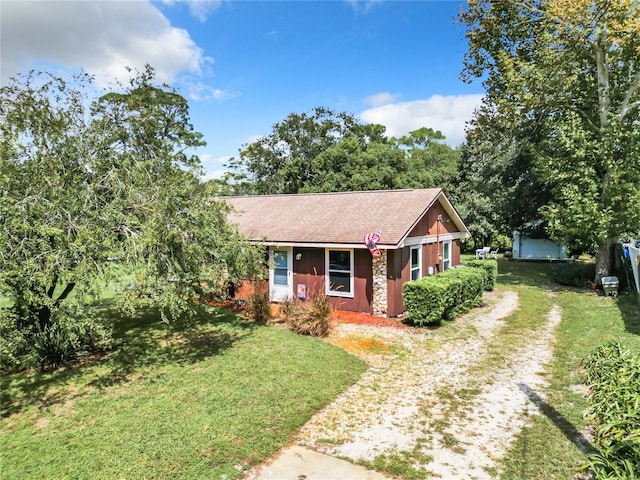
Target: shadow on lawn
[(560, 421), (537, 274), (140, 342), (629, 306)]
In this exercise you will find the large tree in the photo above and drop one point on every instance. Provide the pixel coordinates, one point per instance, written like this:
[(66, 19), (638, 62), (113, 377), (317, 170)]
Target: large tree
[(286, 160), (431, 163), (563, 90), (104, 191), (351, 165)]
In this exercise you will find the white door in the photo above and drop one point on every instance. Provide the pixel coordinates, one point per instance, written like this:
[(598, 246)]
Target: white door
[(280, 274)]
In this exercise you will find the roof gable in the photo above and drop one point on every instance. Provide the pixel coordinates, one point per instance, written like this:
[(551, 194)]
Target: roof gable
[(335, 218)]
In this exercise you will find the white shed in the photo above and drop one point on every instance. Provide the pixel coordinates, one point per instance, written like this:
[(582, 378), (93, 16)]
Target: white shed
[(527, 248)]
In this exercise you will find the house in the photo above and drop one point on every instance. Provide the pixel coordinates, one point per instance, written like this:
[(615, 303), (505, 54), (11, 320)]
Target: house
[(316, 243), (528, 247)]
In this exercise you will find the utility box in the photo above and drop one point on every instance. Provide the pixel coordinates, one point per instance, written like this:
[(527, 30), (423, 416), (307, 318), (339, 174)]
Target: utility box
[(610, 285)]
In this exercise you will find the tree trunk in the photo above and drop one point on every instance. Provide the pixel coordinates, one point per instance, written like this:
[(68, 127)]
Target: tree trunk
[(603, 258), (44, 318)]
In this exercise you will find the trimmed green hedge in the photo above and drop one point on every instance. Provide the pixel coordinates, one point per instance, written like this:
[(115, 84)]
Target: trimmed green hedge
[(489, 266), (445, 295)]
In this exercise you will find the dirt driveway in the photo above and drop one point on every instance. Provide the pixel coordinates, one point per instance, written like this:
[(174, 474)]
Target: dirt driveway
[(450, 399)]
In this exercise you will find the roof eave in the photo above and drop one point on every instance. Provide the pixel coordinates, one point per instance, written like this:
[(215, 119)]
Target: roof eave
[(285, 243)]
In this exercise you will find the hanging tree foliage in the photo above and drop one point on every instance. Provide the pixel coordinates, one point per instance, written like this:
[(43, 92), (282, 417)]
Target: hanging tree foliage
[(103, 192), (563, 82)]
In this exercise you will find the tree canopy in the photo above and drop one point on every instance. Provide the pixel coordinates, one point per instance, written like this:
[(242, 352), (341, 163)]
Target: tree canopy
[(429, 161), (325, 151), (285, 161), (104, 191), (561, 116)]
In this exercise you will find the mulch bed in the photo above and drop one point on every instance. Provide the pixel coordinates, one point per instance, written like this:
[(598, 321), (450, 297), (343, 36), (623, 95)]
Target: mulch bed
[(342, 316), (337, 317)]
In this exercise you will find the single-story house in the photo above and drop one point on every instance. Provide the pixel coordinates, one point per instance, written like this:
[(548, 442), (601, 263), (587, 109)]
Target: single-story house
[(316, 243)]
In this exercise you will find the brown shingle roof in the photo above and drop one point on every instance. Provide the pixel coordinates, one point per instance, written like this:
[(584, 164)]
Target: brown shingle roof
[(334, 218)]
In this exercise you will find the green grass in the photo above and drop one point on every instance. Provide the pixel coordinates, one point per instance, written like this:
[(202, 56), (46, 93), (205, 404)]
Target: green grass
[(401, 464), (201, 401), (553, 446), (211, 399)]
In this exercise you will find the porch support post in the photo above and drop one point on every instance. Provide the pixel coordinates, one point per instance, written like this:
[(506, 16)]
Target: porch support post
[(379, 267)]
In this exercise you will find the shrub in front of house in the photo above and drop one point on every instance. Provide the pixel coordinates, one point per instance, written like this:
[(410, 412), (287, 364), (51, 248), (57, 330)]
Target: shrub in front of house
[(445, 295), (309, 318), (489, 266), (260, 307), (74, 333)]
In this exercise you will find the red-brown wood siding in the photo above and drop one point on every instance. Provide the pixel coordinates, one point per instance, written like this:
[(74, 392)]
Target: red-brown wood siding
[(362, 300), (428, 224), (309, 270), (455, 252), (398, 272), (244, 289), (430, 255)]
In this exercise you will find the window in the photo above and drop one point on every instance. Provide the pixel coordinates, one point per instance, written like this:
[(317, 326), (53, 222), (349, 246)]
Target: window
[(280, 267), (446, 255), (416, 263), (339, 278)]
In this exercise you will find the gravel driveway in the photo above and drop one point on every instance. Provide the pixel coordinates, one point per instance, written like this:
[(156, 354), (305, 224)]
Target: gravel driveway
[(445, 395)]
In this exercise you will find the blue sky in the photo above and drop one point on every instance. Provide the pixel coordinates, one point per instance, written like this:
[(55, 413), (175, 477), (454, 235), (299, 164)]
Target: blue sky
[(245, 65)]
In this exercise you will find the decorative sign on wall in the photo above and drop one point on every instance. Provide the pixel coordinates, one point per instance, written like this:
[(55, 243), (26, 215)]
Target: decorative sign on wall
[(370, 240), (301, 291)]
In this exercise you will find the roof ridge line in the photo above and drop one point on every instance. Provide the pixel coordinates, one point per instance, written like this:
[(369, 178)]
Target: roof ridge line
[(312, 194)]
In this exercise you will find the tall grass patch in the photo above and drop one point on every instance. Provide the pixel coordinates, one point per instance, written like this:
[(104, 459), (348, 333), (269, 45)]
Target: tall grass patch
[(260, 307), (613, 378), (309, 318)]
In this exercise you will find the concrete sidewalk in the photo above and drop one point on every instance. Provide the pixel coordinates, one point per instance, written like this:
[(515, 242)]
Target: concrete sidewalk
[(299, 463)]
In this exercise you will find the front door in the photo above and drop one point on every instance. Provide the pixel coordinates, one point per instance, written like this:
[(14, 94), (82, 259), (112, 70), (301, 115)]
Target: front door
[(280, 274)]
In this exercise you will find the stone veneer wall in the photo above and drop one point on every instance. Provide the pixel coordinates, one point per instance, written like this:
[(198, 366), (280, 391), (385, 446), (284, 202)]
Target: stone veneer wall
[(379, 266)]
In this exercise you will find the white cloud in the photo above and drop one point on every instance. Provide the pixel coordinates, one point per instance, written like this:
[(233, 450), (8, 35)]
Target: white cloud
[(213, 174), (379, 99), (447, 114), (200, 9), (99, 37), (199, 91), (208, 160), (214, 167), (363, 6)]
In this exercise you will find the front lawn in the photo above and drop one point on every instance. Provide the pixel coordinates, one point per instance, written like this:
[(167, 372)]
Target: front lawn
[(200, 401)]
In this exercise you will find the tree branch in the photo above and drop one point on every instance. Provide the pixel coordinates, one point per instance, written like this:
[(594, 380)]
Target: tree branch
[(602, 72), (52, 287), (65, 293), (626, 106)]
